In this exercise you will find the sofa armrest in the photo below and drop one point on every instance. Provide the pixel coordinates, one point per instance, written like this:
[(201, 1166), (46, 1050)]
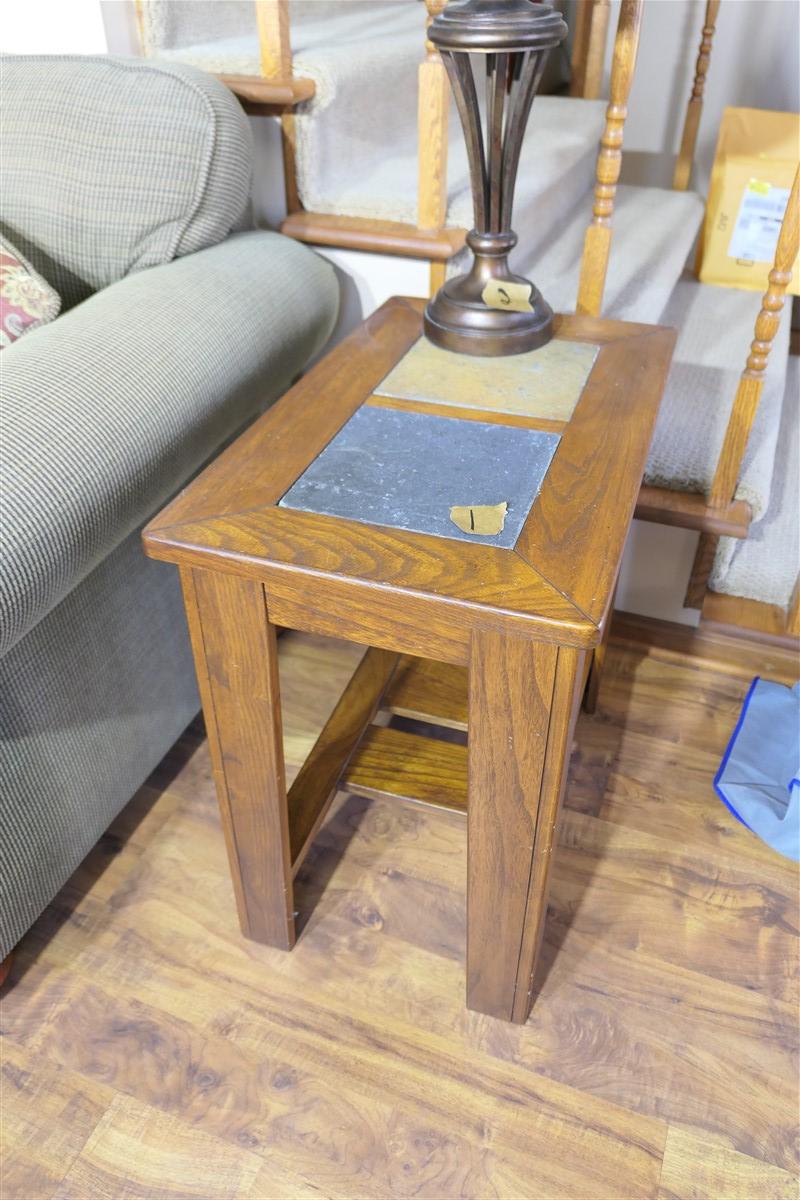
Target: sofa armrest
[(110, 409)]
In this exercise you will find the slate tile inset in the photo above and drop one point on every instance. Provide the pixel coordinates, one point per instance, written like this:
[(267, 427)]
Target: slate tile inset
[(406, 470)]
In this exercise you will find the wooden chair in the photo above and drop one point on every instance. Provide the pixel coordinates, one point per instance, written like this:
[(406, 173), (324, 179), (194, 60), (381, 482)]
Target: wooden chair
[(597, 245)]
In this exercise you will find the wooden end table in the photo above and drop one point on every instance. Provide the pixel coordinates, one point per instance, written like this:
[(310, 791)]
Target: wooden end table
[(510, 619)]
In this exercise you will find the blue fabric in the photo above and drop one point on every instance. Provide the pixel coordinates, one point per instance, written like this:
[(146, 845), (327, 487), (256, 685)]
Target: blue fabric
[(759, 776)]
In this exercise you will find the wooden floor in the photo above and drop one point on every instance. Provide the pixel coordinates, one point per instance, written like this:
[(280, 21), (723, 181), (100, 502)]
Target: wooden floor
[(151, 1052)]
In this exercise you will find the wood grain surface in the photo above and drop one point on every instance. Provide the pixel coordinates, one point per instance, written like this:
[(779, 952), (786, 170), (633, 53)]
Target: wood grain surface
[(374, 236), (269, 93), (433, 111), (465, 414), (769, 624), (315, 784), (588, 48), (691, 510), (429, 691), (751, 383), (237, 669), (410, 592), (577, 529), (390, 762), (379, 576), (510, 698), (151, 1052), (275, 51)]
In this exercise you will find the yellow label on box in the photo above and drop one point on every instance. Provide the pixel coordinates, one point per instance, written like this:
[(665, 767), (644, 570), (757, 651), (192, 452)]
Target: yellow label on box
[(756, 159), (758, 223), (505, 294)]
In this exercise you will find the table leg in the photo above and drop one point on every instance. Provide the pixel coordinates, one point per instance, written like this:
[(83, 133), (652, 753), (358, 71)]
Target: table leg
[(236, 658), (523, 701)]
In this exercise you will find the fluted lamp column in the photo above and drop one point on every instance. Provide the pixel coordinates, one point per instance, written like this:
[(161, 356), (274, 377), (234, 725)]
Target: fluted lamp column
[(490, 310)]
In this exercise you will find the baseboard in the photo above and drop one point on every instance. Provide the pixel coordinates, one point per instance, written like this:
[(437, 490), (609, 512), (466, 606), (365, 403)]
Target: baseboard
[(750, 618), (733, 651)]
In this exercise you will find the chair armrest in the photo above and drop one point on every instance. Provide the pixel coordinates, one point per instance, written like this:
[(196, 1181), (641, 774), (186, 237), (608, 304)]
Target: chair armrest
[(111, 408)]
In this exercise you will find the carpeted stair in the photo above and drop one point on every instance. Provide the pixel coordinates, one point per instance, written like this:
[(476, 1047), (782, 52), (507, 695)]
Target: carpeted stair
[(716, 329), (765, 566)]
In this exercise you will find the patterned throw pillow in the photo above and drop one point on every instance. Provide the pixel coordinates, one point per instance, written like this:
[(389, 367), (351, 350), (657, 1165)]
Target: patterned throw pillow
[(26, 300)]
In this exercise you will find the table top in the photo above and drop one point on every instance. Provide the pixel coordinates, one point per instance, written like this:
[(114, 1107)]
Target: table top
[(371, 485)]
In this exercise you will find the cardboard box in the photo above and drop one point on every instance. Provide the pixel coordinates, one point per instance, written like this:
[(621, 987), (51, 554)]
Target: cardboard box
[(754, 166)]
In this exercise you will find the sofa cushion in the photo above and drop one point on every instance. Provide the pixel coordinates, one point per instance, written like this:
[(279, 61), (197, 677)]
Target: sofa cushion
[(93, 698), (110, 409), (112, 165), (26, 300)]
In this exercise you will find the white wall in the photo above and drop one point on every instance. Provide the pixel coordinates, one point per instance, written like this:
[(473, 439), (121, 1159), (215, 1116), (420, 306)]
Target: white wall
[(52, 27), (755, 63)]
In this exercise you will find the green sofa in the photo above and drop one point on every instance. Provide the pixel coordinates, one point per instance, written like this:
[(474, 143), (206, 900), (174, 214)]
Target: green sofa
[(121, 183)]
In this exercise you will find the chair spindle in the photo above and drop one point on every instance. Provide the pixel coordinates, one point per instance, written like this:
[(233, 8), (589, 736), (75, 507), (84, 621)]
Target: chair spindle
[(683, 167), (597, 244)]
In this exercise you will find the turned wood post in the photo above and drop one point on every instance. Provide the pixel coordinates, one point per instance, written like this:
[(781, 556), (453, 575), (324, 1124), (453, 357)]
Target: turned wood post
[(683, 167), (748, 393), (588, 48), (274, 48), (793, 615), (433, 111), (139, 13), (275, 52), (751, 384), (597, 243)]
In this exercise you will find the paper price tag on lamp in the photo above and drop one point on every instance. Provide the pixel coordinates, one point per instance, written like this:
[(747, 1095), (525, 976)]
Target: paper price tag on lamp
[(504, 294)]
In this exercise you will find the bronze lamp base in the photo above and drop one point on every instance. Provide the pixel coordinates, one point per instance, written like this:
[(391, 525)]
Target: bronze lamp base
[(490, 311)]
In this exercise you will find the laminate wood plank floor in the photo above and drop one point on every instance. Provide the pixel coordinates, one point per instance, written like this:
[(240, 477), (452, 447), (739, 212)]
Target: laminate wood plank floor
[(150, 1052)]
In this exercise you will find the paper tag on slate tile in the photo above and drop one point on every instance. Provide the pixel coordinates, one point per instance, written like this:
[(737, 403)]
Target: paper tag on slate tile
[(486, 519), (504, 293)]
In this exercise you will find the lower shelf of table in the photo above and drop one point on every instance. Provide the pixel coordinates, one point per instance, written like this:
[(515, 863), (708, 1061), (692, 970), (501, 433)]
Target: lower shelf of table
[(390, 762), (377, 760)]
